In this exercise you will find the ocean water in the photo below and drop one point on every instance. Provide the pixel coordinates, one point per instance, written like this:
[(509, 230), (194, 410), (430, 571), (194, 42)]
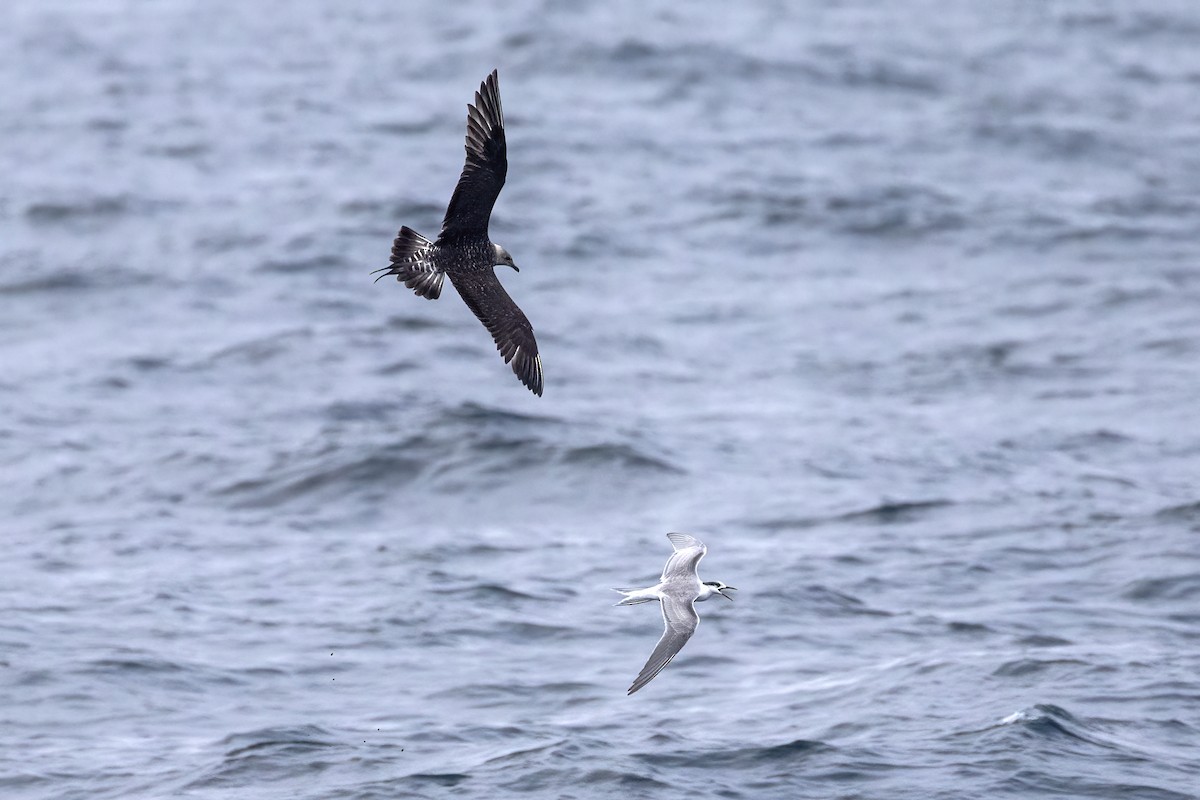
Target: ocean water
[(896, 306)]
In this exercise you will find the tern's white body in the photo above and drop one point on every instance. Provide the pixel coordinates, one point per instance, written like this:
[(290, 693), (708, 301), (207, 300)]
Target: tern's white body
[(656, 592), (677, 590)]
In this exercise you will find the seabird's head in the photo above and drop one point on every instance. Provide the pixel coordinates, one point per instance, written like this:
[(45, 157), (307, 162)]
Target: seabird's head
[(720, 588), (502, 257)]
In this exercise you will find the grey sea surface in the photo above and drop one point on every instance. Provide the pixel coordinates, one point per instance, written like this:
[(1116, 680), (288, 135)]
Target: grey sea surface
[(895, 306)]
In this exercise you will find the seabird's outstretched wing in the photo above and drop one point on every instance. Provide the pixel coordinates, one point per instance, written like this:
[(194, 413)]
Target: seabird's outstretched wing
[(688, 552), (508, 325), (680, 619), (487, 164)]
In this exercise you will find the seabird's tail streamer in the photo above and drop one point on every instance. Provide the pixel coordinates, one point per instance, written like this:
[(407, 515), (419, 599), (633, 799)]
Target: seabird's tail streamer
[(413, 266), (631, 598)]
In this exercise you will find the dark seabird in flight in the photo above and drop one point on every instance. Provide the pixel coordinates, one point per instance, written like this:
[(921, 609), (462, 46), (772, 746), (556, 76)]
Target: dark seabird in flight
[(463, 250)]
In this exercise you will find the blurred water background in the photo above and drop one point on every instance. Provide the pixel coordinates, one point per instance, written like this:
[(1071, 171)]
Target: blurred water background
[(896, 306)]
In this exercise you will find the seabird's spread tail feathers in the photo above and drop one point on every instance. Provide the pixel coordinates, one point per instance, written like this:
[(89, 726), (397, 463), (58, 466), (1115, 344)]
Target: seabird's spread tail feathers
[(412, 265)]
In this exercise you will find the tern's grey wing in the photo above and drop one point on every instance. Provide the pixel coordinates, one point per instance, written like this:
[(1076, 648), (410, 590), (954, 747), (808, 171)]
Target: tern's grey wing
[(484, 172), (680, 619), (688, 552), (508, 325), (682, 541)]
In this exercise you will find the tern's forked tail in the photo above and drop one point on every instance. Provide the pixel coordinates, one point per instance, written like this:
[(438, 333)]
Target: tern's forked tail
[(635, 596)]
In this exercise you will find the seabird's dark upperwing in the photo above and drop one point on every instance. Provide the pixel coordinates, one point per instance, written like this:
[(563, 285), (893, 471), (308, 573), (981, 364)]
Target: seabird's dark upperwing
[(680, 620), (508, 325), (487, 165)]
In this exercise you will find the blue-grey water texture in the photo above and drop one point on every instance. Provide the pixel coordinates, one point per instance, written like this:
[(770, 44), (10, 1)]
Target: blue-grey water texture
[(895, 305)]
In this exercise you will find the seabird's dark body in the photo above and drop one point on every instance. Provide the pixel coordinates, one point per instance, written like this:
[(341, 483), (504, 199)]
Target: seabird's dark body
[(463, 250)]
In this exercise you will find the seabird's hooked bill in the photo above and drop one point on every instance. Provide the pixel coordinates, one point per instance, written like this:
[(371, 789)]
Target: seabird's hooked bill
[(463, 250), (678, 589)]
